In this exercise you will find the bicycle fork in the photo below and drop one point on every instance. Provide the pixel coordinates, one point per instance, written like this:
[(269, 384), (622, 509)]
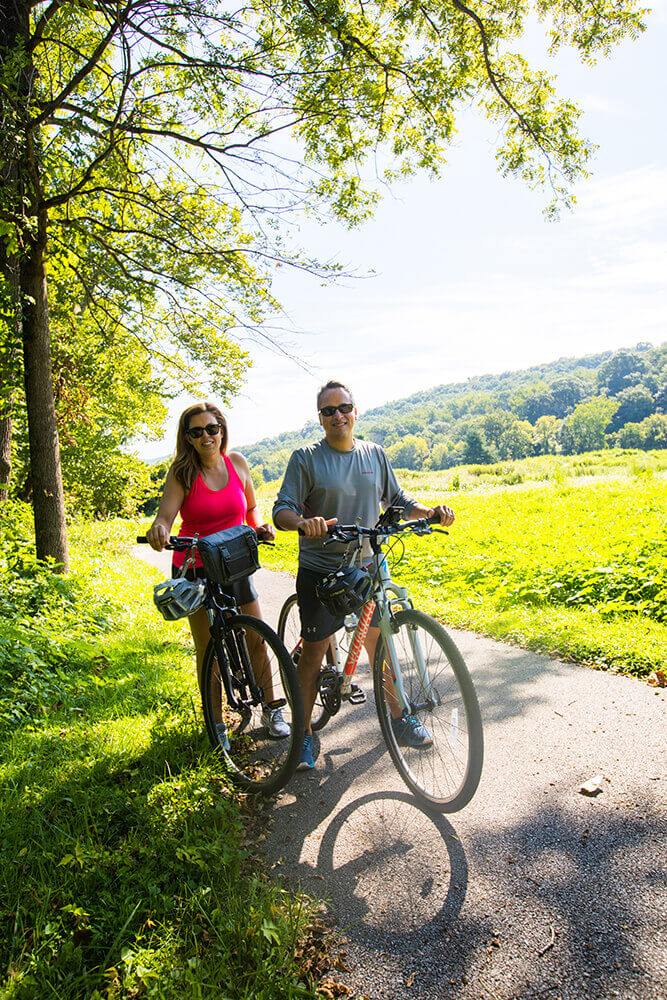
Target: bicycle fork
[(387, 631)]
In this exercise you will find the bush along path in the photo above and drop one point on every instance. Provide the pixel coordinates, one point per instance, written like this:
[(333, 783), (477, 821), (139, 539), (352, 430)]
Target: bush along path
[(129, 868)]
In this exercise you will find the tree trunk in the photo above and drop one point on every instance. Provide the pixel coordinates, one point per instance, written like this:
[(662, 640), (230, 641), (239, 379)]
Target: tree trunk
[(21, 157), (47, 488), (8, 368), (5, 455)]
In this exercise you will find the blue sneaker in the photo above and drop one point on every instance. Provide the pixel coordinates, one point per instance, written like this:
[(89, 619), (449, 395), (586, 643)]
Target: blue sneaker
[(223, 739), (409, 732), (306, 761)]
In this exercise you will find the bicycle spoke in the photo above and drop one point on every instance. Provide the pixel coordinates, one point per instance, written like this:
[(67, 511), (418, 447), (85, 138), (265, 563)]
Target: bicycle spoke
[(258, 759), (442, 719)]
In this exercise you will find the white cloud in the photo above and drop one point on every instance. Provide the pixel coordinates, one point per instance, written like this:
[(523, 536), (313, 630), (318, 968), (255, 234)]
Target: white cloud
[(617, 203)]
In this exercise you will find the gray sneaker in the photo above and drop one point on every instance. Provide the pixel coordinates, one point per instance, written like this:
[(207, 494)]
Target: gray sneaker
[(272, 718), (410, 732)]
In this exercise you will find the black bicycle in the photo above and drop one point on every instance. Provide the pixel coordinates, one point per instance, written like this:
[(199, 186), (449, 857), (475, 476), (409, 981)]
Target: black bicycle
[(246, 673)]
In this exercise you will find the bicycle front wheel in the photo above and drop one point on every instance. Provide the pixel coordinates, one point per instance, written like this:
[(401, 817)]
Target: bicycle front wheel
[(260, 672), (437, 746), (289, 630)]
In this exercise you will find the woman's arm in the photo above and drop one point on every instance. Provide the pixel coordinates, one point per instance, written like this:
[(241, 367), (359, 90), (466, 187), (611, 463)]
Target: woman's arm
[(173, 496), (266, 531)]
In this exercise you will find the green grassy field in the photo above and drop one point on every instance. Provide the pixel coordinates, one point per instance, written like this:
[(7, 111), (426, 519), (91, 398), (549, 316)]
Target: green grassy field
[(562, 555), (128, 867)]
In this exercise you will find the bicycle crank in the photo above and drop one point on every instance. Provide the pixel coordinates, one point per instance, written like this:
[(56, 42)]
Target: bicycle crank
[(328, 684)]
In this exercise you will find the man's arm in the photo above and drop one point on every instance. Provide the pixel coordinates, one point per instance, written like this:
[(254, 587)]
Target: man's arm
[(289, 506), (446, 514), (412, 509)]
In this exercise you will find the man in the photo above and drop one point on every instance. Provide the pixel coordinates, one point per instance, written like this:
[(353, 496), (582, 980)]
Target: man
[(337, 479)]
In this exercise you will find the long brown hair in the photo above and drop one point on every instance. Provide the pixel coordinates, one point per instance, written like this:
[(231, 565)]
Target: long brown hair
[(186, 467)]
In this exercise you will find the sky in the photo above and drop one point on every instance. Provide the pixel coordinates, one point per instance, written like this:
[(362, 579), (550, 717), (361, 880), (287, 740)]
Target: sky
[(464, 275)]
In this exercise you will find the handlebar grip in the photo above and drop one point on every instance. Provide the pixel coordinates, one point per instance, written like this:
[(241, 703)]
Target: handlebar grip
[(433, 519), (142, 540)]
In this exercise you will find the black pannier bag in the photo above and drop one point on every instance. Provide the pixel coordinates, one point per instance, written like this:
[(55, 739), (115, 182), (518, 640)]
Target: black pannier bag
[(230, 554)]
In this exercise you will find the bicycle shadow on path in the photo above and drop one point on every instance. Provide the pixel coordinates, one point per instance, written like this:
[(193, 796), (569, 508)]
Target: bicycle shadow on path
[(531, 890)]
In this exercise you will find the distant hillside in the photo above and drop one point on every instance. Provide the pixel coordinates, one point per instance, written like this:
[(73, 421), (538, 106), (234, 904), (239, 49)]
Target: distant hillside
[(567, 406)]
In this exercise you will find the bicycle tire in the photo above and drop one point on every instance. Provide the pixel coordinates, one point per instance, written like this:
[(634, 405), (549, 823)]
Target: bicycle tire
[(256, 761), (289, 630), (444, 775)]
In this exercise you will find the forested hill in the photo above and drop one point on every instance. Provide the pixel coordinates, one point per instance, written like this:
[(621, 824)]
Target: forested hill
[(571, 405)]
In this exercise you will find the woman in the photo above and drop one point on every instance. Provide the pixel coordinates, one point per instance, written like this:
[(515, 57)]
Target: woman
[(212, 490)]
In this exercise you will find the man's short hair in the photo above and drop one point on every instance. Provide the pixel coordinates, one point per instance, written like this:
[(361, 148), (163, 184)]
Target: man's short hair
[(332, 384)]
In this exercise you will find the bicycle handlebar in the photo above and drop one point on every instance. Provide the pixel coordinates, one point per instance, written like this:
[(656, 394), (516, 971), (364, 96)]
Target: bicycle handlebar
[(349, 532), (179, 543)]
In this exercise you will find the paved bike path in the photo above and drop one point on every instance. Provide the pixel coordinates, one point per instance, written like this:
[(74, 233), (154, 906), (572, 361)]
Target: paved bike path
[(533, 890)]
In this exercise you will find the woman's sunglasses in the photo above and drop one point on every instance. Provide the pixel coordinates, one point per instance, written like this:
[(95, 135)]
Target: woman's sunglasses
[(328, 411), (196, 432)]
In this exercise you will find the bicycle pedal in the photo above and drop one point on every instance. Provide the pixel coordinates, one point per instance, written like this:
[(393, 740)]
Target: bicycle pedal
[(356, 695)]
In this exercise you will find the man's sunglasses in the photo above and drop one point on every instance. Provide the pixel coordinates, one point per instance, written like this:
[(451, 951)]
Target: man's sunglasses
[(196, 432), (328, 411)]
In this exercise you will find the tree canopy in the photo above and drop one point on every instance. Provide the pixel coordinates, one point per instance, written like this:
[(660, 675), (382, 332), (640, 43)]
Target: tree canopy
[(151, 148), (493, 418)]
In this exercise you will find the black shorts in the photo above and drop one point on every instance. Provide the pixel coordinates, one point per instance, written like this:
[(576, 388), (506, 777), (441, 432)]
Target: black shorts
[(317, 622), (243, 591)]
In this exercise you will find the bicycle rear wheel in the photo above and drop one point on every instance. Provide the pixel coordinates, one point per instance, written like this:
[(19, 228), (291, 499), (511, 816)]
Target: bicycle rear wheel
[(445, 773), (251, 650), (289, 630)]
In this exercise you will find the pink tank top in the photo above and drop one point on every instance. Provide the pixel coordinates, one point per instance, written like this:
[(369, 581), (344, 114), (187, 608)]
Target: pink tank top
[(205, 511)]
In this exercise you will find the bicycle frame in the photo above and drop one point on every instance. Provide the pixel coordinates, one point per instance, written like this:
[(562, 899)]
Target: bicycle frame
[(384, 586)]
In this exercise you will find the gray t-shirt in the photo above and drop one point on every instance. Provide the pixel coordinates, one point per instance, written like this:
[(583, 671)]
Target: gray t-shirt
[(323, 482)]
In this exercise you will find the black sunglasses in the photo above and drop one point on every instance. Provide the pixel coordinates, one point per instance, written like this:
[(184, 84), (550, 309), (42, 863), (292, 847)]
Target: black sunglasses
[(211, 430), (328, 411)]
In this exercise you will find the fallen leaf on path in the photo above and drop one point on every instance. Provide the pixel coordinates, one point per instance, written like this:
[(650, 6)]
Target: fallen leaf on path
[(658, 679)]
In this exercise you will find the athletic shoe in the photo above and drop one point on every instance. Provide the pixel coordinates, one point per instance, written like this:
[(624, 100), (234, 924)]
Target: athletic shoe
[(409, 732), (272, 718), (223, 739), (306, 761)]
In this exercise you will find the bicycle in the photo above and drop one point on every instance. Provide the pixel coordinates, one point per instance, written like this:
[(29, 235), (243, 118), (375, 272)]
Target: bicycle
[(245, 661), (417, 670)]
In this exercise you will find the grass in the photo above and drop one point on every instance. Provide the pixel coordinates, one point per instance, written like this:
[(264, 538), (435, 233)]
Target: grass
[(128, 866), (560, 555)]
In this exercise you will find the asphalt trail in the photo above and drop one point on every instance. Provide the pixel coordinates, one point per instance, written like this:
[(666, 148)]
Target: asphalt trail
[(533, 890)]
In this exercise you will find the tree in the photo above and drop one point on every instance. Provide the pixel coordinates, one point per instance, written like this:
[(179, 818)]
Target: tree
[(634, 404), (622, 370), (517, 439), (566, 392), (140, 146), (411, 452), (646, 434), (585, 429), (533, 402), (546, 435), (476, 449)]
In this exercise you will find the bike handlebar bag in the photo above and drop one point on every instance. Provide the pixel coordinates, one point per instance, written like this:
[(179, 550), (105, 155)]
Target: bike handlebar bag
[(229, 555)]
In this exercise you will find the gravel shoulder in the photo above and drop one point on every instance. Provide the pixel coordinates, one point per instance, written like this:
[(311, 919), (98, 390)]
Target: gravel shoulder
[(533, 890)]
